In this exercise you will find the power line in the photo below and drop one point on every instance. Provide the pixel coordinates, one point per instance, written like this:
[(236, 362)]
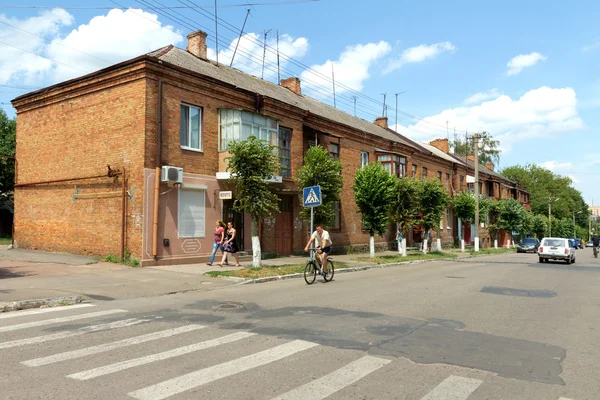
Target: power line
[(275, 3), (47, 58)]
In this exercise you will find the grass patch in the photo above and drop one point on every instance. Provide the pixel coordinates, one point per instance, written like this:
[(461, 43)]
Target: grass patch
[(128, 259), (4, 241), (266, 271), (409, 257), (501, 250)]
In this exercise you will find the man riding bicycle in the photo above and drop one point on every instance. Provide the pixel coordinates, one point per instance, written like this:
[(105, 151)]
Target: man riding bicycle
[(596, 243), (323, 243)]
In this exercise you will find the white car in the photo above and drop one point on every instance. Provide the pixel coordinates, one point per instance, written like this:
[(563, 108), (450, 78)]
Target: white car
[(556, 249)]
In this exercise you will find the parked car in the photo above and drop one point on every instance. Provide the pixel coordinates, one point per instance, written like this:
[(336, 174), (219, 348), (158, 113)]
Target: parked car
[(577, 243), (528, 245), (556, 249), (589, 243)]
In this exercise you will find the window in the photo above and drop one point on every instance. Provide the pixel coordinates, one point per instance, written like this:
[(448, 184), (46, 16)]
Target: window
[(394, 164), (190, 130), (414, 170), (462, 182), (439, 176), (336, 217), (191, 213), (334, 150), (240, 125), (448, 220), (364, 158), (447, 181), (285, 153), (424, 173)]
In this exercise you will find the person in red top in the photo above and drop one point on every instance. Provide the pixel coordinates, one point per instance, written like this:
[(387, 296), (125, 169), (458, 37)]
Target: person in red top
[(219, 238)]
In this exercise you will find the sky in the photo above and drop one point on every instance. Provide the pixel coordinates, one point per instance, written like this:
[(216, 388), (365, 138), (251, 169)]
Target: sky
[(525, 71)]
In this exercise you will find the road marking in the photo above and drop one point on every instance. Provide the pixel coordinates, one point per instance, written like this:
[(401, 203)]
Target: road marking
[(69, 355), (57, 320), (453, 388), (563, 398), (335, 381), (80, 331), (12, 314), (194, 379), (120, 366)]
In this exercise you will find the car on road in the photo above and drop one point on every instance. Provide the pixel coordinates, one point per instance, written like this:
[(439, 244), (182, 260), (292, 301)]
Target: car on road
[(528, 245), (556, 249), (589, 243)]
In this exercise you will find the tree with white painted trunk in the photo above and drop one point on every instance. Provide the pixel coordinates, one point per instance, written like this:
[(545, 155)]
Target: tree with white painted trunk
[(405, 204), (373, 193), (463, 206), (433, 204), (251, 163)]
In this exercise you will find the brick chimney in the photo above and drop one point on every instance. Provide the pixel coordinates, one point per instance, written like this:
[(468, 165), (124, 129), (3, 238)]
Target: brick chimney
[(471, 157), (292, 84), (382, 122), (441, 144), (489, 165), (196, 44)]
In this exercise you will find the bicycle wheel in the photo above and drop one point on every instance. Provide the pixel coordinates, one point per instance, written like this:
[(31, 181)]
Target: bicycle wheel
[(330, 271), (310, 272)]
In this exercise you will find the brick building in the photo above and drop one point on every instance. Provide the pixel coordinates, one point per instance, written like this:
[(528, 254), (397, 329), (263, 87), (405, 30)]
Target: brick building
[(92, 151)]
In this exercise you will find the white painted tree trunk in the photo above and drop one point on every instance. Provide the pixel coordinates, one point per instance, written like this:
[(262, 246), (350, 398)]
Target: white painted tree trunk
[(404, 247), (372, 246), (462, 245), (425, 246), (439, 245), (476, 243), (255, 245), (495, 243)]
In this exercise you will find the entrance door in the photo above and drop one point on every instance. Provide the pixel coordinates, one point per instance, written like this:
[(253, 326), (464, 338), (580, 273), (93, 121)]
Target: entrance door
[(467, 231), (283, 226), (229, 215)]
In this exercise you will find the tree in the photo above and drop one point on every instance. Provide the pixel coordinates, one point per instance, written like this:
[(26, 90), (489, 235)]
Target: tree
[(493, 212), (373, 193), (539, 226), (433, 203), (488, 148), (8, 147), (320, 169), (406, 193), (251, 163), (511, 216), (464, 207)]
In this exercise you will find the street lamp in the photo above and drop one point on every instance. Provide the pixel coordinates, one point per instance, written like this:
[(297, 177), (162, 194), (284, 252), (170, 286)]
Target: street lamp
[(574, 228), (550, 200)]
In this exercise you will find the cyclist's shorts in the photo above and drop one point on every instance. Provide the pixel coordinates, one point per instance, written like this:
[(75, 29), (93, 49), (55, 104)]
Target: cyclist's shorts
[(327, 250)]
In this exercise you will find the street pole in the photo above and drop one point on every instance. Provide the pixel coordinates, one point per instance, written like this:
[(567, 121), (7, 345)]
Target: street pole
[(549, 217), (574, 231), (476, 151)]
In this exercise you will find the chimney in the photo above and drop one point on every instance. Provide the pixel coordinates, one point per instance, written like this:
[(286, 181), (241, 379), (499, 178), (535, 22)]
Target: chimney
[(382, 122), (196, 44), (292, 84), (489, 165), (441, 144), (471, 157)]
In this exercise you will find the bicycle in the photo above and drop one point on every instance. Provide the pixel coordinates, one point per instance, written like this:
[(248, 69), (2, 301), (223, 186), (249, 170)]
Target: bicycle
[(312, 268)]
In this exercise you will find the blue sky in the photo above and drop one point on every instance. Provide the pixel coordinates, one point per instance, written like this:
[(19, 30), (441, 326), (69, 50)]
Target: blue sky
[(526, 71)]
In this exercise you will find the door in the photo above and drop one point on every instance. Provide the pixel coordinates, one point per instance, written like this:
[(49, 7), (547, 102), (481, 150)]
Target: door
[(467, 230), (283, 226), (229, 215)]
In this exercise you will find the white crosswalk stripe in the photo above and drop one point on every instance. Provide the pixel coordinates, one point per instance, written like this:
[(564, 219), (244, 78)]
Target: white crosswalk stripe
[(13, 314), (195, 379), (335, 381), (69, 355), (563, 398), (120, 366), (33, 324), (67, 334), (453, 388)]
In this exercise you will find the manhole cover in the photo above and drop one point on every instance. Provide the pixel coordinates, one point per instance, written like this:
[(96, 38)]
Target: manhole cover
[(228, 306)]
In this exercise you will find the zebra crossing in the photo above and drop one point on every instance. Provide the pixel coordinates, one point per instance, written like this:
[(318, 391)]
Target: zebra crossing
[(83, 363)]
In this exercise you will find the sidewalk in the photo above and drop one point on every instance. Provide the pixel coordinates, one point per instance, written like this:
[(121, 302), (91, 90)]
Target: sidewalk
[(26, 275)]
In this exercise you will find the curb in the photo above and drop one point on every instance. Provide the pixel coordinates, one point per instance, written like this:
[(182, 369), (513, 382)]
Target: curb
[(40, 303)]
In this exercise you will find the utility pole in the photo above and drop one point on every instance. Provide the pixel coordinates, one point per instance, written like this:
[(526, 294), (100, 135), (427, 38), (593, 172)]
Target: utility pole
[(549, 216), (476, 151)]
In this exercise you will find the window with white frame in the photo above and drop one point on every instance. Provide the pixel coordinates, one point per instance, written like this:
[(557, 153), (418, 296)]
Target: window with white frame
[(190, 130), (191, 219), (394, 164), (364, 158), (334, 150), (439, 176), (235, 125), (285, 153), (448, 220), (336, 215), (414, 170), (424, 173)]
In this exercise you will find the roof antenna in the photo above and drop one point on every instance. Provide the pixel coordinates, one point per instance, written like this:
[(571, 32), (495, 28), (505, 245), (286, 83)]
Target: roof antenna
[(333, 79), (264, 54), (216, 33), (240, 38), (278, 75)]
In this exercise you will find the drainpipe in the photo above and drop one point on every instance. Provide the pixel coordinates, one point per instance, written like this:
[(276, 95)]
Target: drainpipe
[(123, 212), (157, 172)]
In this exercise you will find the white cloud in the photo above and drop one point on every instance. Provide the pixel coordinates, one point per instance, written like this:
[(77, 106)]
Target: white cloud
[(521, 61), (106, 39), (592, 46), (419, 54), (481, 96), (541, 112), (351, 69), (555, 166), (249, 55)]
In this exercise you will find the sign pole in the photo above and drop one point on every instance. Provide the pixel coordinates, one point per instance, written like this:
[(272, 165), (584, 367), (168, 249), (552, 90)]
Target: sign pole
[(312, 210)]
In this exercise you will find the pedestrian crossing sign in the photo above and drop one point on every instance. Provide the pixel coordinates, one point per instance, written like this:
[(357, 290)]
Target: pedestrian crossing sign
[(312, 196)]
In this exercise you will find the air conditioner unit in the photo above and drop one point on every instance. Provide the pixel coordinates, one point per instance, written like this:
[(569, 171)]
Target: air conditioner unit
[(171, 174)]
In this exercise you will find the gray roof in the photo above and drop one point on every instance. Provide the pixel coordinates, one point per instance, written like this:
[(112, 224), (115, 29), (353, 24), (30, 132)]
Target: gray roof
[(441, 154), (483, 169), (242, 80)]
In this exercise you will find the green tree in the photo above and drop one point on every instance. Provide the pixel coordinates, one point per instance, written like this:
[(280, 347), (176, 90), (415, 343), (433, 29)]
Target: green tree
[(488, 148), (251, 163), (321, 169), (373, 193), (511, 216), (539, 226), (464, 207), (8, 147), (433, 203), (406, 193), (493, 212)]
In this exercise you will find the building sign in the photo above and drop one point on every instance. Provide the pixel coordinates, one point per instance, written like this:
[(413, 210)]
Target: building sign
[(225, 195)]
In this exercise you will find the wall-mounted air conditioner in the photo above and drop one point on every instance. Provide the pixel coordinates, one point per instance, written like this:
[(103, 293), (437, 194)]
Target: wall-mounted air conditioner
[(171, 174)]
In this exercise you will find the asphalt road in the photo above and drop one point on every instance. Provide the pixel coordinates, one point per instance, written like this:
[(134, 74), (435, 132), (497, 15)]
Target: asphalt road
[(497, 327)]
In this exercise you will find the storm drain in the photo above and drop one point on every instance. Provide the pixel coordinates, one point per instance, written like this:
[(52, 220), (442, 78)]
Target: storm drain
[(518, 292), (228, 306)]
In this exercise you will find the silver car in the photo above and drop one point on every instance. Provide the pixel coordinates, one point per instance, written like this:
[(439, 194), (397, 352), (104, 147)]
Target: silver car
[(556, 249)]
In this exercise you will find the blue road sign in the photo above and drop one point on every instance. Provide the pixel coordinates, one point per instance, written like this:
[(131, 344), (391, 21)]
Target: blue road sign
[(312, 196)]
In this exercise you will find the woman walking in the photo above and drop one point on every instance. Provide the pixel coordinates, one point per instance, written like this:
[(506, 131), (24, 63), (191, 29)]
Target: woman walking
[(219, 239), (230, 246)]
